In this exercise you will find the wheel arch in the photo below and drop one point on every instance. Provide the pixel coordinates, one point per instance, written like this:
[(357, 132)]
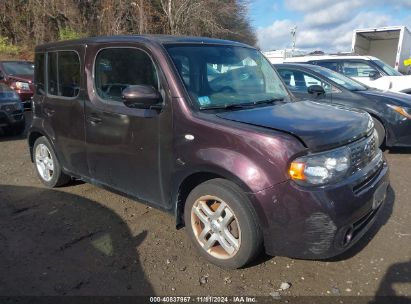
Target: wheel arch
[(195, 178), (32, 136)]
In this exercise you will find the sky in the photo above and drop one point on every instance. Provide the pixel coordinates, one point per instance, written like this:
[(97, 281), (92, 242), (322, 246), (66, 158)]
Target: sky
[(322, 24)]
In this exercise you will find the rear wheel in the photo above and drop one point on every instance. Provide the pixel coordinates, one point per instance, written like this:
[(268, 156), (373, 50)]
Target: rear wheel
[(47, 166), (222, 224), (380, 131)]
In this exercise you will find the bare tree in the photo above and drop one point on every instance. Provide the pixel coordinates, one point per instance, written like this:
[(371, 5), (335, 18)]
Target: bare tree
[(29, 22)]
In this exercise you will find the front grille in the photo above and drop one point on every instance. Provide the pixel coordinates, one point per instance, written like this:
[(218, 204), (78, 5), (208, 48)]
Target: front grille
[(363, 152), (9, 108)]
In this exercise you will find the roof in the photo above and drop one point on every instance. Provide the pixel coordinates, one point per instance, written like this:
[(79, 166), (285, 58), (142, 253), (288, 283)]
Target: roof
[(297, 65), (16, 60), (382, 29), (327, 57), (161, 39)]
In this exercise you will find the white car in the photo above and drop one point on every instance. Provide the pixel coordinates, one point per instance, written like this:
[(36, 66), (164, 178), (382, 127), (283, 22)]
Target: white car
[(368, 70)]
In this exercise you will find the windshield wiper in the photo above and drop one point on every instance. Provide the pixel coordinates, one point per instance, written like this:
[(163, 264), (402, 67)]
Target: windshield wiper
[(226, 106), (271, 100), (242, 105)]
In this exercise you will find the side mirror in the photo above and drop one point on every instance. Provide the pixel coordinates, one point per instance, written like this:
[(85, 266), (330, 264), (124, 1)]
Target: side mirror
[(141, 97), (374, 75), (316, 89)]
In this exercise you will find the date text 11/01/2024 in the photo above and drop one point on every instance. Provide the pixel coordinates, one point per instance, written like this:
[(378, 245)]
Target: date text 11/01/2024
[(203, 299)]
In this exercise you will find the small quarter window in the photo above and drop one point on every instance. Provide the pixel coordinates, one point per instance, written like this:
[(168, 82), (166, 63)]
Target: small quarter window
[(63, 73), (39, 74), (117, 68)]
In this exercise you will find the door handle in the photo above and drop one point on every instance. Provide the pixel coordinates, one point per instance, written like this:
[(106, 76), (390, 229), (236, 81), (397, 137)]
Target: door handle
[(49, 112), (94, 120)]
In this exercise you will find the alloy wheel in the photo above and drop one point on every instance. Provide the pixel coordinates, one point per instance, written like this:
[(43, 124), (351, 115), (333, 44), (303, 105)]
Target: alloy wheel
[(215, 227)]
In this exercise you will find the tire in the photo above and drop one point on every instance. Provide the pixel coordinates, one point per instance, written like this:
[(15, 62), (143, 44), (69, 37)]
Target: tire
[(47, 166), (231, 222), (380, 131)]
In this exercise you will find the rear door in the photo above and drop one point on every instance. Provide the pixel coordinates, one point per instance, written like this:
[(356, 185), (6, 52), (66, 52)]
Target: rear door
[(63, 107), (128, 149)]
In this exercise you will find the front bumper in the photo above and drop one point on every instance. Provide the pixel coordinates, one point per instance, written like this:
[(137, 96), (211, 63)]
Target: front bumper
[(399, 134), (314, 223), (12, 119)]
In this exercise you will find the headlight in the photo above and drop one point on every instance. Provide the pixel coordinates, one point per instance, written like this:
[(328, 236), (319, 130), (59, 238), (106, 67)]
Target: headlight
[(21, 85), (404, 111), (321, 168), (19, 105)]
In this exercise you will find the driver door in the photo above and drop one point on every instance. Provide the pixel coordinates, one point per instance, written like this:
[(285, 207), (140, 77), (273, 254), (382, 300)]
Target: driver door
[(128, 149), (298, 82)]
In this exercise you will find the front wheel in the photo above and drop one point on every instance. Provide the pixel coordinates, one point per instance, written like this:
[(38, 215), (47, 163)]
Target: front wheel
[(222, 224), (47, 166)]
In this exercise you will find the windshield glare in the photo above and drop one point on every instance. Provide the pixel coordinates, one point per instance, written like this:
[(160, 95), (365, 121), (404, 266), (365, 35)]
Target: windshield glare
[(220, 76), (340, 79), (387, 69), (19, 68)]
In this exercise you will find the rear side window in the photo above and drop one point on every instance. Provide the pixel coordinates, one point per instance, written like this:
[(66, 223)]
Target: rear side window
[(63, 73), (117, 68), (39, 79)]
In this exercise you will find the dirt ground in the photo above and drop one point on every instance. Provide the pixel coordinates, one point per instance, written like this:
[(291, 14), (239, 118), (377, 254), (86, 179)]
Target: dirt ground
[(82, 240)]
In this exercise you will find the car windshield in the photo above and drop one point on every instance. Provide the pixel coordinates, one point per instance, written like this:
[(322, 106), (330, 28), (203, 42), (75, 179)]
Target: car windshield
[(340, 79), (19, 68), (7, 94), (221, 76), (387, 69)]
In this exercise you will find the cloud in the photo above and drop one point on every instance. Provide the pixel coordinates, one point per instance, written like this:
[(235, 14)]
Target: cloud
[(328, 27), (275, 36), (303, 6), (333, 38), (332, 14)]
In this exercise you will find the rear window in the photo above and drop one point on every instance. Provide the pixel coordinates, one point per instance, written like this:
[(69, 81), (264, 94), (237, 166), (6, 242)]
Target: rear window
[(63, 73)]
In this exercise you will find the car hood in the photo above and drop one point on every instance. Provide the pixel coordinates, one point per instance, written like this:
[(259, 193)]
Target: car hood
[(319, 126), (24, 78), (388, 97), (400, 83)]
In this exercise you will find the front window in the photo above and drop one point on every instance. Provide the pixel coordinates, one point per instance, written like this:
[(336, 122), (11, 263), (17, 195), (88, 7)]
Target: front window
[(220, 76), (299, 81), (19, 68), (387, 69), (342, 80), (357, 69), (117, 68)]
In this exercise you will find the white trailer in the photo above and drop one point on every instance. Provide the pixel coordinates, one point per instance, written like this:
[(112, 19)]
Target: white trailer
[(390, 44), (278, 56)]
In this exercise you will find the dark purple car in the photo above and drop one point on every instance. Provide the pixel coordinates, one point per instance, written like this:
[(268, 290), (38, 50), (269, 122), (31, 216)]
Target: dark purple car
[(206, 130)]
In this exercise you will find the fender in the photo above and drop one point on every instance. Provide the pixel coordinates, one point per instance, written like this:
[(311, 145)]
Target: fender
[(223, 163)]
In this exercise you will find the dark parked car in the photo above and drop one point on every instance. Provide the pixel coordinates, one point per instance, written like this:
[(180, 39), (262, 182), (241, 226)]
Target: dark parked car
[(390, 111), (241, 167), (18, 75), (11, 111)]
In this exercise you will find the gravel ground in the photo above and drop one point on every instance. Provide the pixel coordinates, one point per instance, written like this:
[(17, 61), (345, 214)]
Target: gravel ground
[(83, 240)]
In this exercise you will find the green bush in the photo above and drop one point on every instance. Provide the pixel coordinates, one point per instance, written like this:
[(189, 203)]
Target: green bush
[(68, 33), (7, 48)]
